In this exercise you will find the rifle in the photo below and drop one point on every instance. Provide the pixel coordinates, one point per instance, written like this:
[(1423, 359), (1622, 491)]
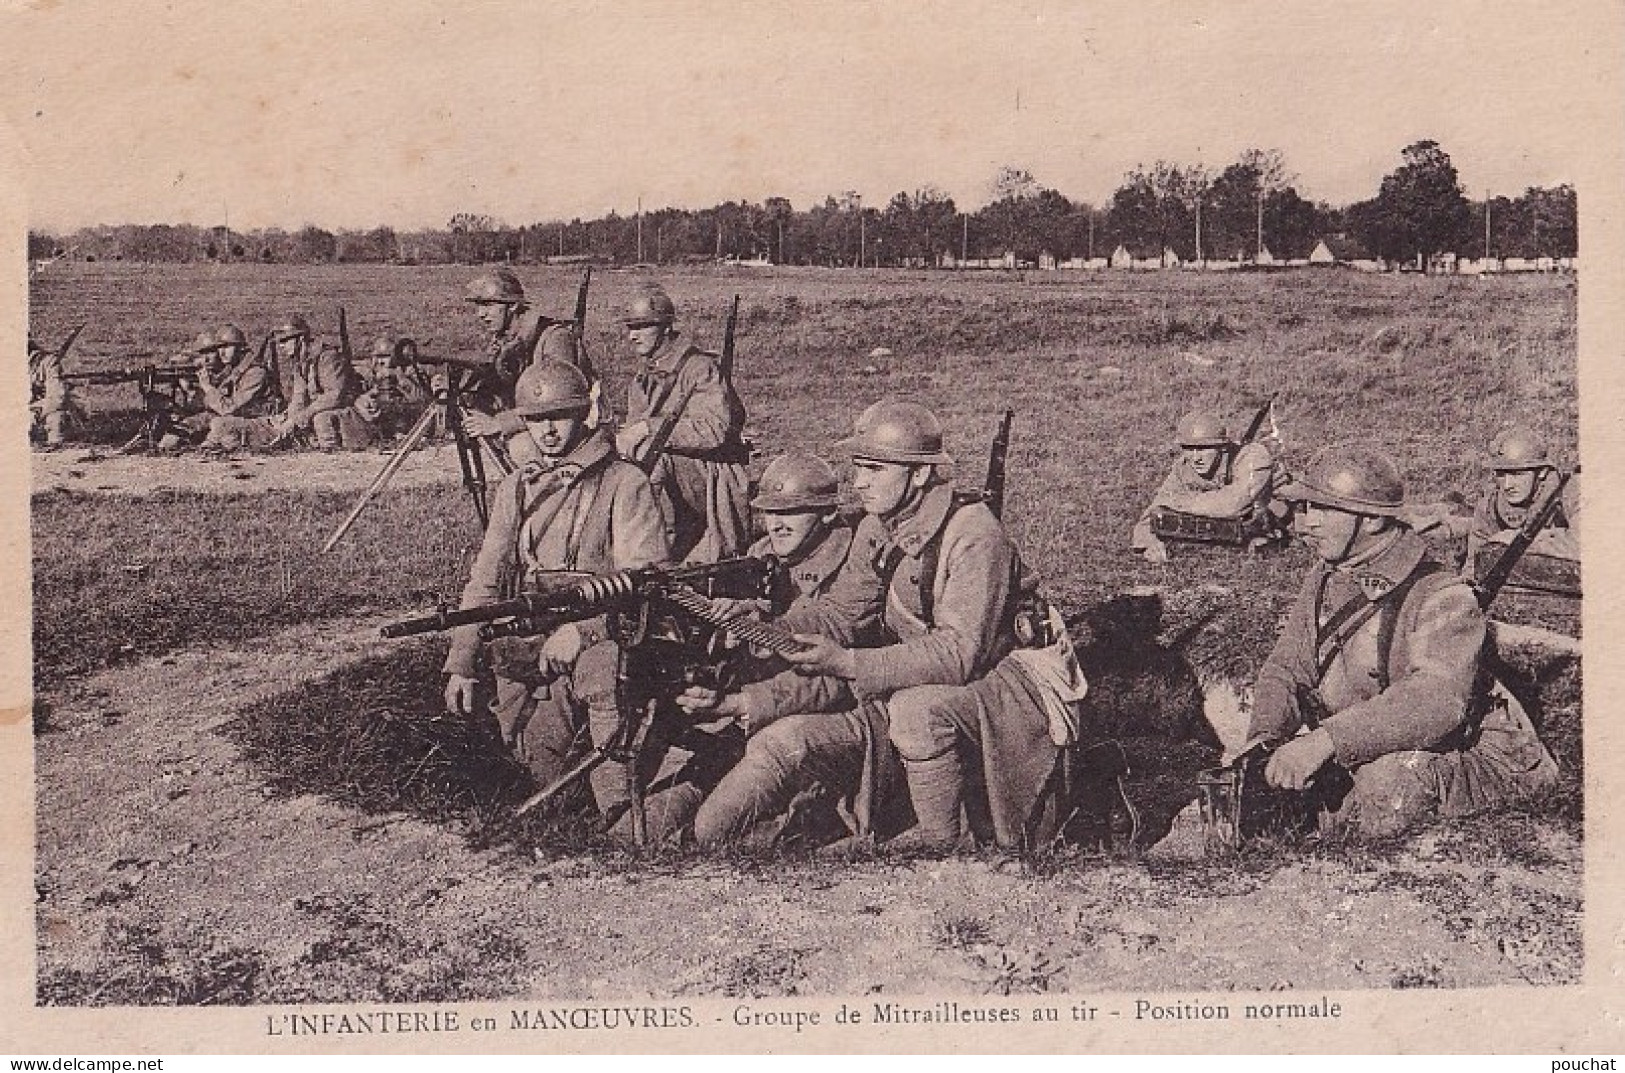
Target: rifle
[(1256, 425), (67, 344), (147, 376), (578, 325), (648, 451), (344, 337), (993, 487), (1495, 578)]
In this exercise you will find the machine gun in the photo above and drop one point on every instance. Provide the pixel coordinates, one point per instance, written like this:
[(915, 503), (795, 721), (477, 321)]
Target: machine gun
[(1496, 574), (667, 632), (159, 386)]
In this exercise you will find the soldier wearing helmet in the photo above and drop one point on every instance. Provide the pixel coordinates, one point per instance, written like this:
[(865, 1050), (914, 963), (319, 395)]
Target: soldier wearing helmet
[(574, 507), (517, 335), (240, 393), (700, 472), (947, 691), (313, 378), (391, 395), (1524, 471), (1379, 665), (1212, 478)]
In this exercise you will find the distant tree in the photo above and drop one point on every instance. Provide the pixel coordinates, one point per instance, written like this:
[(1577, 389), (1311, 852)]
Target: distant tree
[(1421, 209), (779, 213), (1011, 183), (312, 245)]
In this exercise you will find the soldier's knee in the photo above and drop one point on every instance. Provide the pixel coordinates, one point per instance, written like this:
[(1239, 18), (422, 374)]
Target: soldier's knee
[(918, 726), (781, 747), (1391, 794)]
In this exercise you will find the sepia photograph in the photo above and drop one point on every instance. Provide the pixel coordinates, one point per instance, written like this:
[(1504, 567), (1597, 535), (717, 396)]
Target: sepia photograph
[(1037, 526)]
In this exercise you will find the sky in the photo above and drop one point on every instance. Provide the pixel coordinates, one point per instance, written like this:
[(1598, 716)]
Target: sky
[(348, 115)]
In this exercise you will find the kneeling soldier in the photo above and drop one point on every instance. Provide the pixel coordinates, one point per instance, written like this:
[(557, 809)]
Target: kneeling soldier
[(574, 508), (949, 689), (1213, 478), (1381, 660)]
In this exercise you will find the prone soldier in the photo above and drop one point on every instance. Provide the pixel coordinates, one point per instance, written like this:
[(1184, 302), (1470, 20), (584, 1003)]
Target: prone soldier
[(1212, 478), (1381, 662), (685, 425), (574, 507), (948, 690), (1523, 470), (392, 395)]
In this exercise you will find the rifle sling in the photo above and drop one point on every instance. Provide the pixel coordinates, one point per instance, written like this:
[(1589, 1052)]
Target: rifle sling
[(1340, 629)]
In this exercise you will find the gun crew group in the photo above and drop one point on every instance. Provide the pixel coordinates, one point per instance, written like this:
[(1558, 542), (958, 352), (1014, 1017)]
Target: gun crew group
[(895, 675)]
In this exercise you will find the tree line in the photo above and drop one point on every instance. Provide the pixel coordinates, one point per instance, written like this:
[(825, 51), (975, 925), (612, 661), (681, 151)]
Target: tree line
[(1197, 212)]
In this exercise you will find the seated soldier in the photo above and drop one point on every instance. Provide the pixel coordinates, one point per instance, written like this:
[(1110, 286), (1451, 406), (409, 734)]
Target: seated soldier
[(978, 727), (1213, 478), (50, 400), (391, 399), (1523, 475), (243, 397), (573, 507), (1381, 663), (185, 409), (315, 378)]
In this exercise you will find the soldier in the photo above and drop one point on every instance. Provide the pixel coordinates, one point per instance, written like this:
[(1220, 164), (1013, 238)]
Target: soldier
[(951, 687), (186, 411), (1523, 473), (1213, 478), (50, 399), (518, 336), (242, 398), (576, 507), (314, 378), (392, 396), (700, 471), (1388, 643)]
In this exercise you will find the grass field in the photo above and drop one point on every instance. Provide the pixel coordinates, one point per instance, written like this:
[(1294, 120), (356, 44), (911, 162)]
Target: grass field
[(1097, 367)]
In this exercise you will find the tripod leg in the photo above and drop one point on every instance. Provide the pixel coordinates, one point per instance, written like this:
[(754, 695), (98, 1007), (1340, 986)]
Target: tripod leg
[(396, 460)]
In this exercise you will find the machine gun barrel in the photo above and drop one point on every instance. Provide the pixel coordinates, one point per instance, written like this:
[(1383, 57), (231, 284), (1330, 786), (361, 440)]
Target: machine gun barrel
[(583, 598)]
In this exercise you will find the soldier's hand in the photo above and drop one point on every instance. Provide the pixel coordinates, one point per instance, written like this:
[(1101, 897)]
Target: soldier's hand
[(1156, 552), (560, 651), (460, 695), (821, 656), (478, 424), (1295, 763), (700, 699)]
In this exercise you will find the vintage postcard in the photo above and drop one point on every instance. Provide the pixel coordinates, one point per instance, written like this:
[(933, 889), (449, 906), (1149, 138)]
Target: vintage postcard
[(576, 527)]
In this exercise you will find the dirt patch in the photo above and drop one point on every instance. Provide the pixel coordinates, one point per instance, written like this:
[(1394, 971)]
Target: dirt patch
[(174, 869), (81, 470)]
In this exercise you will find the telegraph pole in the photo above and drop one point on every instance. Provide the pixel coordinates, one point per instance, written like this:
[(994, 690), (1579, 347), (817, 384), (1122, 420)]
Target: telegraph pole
[(1258, 253), (964, 238), (640, 230), (1486, 225)]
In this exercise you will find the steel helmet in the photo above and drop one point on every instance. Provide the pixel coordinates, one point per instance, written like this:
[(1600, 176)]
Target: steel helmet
[(1517, 448), (230, 335), (797, 481), (652, 305), (498, 286), (1352, 478), (382, 347), (206, 343), (1200, 428), (895, 431), (547, 388), (294, 326)]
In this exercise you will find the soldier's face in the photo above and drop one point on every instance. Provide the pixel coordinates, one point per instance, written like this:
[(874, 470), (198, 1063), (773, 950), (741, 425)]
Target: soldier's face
[(1332, 534), (645, 338), (228, 355), (1203, 461), (287, 349), (787, 531), (555, 434), (884, 488), (493, 315), (1518, 485)]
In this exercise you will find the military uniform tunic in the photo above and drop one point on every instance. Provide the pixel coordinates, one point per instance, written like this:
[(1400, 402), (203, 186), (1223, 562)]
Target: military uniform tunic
[(701, 474), (1439, 738)]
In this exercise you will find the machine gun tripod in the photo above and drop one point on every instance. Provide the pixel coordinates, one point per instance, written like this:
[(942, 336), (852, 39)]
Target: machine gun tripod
[(459, 382)]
